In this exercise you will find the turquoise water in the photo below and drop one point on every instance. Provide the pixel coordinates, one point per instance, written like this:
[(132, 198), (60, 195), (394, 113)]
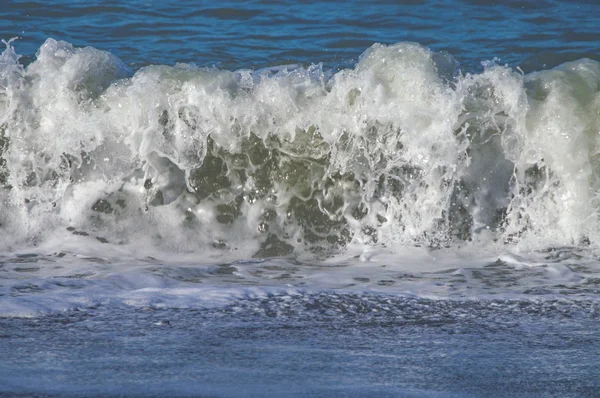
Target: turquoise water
[(299, 199)]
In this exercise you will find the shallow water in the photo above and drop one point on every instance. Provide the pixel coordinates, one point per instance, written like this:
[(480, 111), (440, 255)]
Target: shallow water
[(311, 344), (257, 199)]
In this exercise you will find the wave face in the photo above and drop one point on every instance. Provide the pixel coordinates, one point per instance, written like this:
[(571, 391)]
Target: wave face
[(402, 149)]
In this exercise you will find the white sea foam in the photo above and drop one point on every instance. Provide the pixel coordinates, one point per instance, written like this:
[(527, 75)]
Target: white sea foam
[(35, 285), (402, 152), (400, 149)]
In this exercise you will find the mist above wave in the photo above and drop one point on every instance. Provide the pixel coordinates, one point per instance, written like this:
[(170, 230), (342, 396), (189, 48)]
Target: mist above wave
[(401, 149)]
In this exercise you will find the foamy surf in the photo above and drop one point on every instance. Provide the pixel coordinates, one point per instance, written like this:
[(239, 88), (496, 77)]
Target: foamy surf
[(402, 175)]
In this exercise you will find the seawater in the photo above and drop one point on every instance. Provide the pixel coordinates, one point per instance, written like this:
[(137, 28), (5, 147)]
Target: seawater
[(281, 199)]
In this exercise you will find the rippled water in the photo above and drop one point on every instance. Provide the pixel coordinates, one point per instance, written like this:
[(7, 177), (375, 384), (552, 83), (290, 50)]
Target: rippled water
[(242, 34), (256, 198)]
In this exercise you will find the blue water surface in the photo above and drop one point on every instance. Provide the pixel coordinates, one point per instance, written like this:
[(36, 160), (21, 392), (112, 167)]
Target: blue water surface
[(254, 34), (325, 345)]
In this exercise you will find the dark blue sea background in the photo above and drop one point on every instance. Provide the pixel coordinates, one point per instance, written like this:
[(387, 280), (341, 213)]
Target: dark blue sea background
[(257, 34)]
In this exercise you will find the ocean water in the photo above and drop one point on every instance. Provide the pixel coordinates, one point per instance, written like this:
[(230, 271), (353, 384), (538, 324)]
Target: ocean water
[(300, 199)]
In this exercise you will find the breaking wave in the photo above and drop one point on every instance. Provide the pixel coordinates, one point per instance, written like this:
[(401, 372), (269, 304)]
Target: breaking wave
[(403, 149)]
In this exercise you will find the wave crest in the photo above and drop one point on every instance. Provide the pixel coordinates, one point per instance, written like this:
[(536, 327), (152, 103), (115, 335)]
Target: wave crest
[(401, 149)]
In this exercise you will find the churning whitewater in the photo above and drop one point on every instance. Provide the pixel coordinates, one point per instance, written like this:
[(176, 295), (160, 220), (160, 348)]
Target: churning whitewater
[(402, 150)]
